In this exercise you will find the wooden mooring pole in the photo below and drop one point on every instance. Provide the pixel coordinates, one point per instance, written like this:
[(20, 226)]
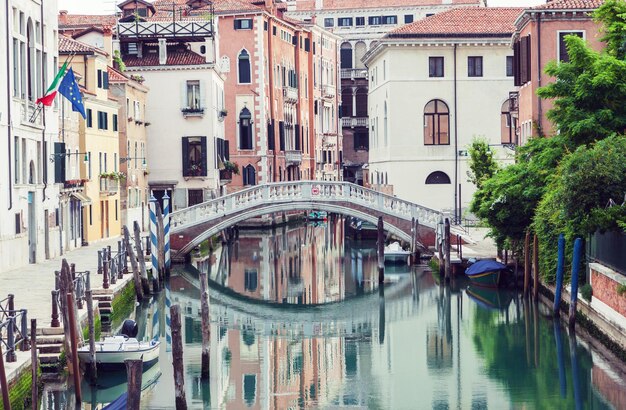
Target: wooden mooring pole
[(447, 246), (133, 264), (206, 326), (535, 267), (3, 383), (140, 258), (134, 370), (177, 358), (559, 276), (578, 250), (527, 264), (34, 364), (74, 345), (92, 333), (381, 250)]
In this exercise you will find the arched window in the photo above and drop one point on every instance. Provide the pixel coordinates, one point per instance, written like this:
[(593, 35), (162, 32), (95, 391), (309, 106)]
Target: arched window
[(361, 102), (245, 129), (437, 177), (346, 102), (31, 64), (31, 173), (507, 127), (243, 64), (359, 51), (249, 175), (436, 123), (385, 124), (346, 55)]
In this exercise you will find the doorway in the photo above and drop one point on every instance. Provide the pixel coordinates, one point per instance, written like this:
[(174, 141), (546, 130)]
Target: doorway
[(32, 228)]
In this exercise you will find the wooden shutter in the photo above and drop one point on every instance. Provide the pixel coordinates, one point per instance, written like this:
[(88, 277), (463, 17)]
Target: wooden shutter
[(281, 135), (185, 162), (270, 135), (105, 80), (516, 64), (297, 137), (528, 59), (226, 150), (203, 162), (59, 162), (99, 78)]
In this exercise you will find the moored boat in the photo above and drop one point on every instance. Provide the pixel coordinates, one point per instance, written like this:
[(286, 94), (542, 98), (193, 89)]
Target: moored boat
[(486, 273), (114, 350), (395, 254)]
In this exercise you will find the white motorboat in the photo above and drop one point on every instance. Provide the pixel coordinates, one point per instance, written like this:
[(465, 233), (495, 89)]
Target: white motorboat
[(395, 254), (114, 350)]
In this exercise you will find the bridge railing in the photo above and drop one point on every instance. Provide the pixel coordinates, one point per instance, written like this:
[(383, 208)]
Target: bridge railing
[(303, 191)]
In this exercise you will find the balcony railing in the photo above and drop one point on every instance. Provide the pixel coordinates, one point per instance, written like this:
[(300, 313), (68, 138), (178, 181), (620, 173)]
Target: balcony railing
[(329, 91), (293, 157), (192, 112), (353, 73), (290, 94), (164, 29), (351, 122), (108, 186)]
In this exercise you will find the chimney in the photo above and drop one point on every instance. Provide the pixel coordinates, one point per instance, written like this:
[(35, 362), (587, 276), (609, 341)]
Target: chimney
[(319, 4), (162, 51), (63, 17), (107, 42)]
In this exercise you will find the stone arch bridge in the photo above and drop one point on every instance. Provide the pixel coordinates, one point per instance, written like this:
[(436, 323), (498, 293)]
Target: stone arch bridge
[(192, 225)]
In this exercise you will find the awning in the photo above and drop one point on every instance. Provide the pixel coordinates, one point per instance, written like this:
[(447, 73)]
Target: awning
[(82, 198)]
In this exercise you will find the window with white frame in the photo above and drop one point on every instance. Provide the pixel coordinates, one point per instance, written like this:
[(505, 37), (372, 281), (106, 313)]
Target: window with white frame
[(193, 95)]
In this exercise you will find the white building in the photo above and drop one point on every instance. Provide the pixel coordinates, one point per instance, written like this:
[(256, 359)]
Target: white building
[(183, 109), (29, 222), (435, 85)]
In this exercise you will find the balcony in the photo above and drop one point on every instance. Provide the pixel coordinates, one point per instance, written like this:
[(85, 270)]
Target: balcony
[(353, 73), (328, 91), (226, 176), (290, 94), (31, 115), (108, 186), (351, 122), (187, 30), (293, 157), (192, 112)]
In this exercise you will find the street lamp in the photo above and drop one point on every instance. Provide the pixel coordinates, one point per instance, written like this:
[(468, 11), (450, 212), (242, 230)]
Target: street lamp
[(126, 159), (62, 155)]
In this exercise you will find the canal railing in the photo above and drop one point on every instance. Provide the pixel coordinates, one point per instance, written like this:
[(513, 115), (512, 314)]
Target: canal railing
[(13, 328)]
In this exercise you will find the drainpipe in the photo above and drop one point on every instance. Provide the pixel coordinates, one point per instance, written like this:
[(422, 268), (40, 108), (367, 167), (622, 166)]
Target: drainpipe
[(44, 151), (270, 28), (539, 108), (9, 162), (457, 210)]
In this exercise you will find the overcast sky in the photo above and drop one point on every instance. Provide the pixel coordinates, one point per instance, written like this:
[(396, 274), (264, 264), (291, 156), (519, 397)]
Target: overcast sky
[(108, 6)]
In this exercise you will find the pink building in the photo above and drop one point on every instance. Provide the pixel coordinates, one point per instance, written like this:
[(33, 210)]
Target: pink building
[(539, 38)]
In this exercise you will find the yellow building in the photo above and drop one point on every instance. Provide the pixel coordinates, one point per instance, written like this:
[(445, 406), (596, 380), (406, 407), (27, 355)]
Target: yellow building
[(98, 139)]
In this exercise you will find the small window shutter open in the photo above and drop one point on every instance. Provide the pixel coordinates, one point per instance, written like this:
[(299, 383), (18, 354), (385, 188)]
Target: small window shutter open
[(59, 162), (202, 95), (281, 134), (297, 137), (203, 163), (226, 150), (271, 137), (185, 149), (237, 24), (105, 80), (99, 78)]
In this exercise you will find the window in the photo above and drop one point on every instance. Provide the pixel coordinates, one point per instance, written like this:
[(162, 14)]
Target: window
[(245, 129), (435, 66), (436, 123), (329, 22), (89, 119), (244, 67), (243, 24), (344, 21), (249, 389), (374, 20), (274, 30), (193, 95), (563, 55), (509, 66), (103, 79), (390, 19), (360, 21), (103, 120), (361, 141), (251, 280), (522, 60), (249, 175), (507, 124), (114, 122), (361, 102), (194, 197), (346, 104), (99, 78), (408, 18), (437, 177), (194, 156), (474, 66)]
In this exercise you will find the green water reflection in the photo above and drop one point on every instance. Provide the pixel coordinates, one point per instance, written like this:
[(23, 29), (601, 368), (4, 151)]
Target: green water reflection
[(412, 345)]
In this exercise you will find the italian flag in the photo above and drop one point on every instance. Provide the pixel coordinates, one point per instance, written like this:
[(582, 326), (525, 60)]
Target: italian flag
[(48, 98)]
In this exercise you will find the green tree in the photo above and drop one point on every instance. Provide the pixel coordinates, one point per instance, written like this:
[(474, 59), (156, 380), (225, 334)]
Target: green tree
[(612, 15), (482, 164)]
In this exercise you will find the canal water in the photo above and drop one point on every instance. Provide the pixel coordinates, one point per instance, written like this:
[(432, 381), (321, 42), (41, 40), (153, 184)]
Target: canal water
[(298, 321)]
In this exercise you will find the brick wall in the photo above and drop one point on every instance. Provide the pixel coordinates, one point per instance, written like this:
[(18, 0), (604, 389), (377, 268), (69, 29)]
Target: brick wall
[(605, 289)]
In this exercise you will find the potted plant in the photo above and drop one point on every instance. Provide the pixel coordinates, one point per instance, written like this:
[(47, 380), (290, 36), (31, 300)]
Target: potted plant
[(231, 166), (194, 170), (223, 112)]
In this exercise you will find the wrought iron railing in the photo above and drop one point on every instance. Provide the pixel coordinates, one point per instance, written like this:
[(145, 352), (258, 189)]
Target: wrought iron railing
[(608, 249), (13, 328)]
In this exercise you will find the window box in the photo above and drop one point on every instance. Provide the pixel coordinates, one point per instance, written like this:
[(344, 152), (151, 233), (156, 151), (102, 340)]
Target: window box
[(226, 175), (189, 112)]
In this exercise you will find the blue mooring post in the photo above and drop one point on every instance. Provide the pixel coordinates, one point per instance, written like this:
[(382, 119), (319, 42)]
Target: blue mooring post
[(559, 275), (578, 248), (166, 230)]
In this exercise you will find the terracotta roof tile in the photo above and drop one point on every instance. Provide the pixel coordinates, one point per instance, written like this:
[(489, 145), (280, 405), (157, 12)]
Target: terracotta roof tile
[(473, 21), (164, 9), (309, 5), (86, 20), (68, 45), (115, 76), (174, 57), (570, 4)]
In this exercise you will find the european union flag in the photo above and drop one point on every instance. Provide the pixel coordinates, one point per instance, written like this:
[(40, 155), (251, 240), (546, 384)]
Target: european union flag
[(69, 89)]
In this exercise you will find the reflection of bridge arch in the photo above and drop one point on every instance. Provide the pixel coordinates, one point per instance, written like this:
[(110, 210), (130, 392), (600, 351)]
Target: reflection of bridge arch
[(331, 319), (190, 226)]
